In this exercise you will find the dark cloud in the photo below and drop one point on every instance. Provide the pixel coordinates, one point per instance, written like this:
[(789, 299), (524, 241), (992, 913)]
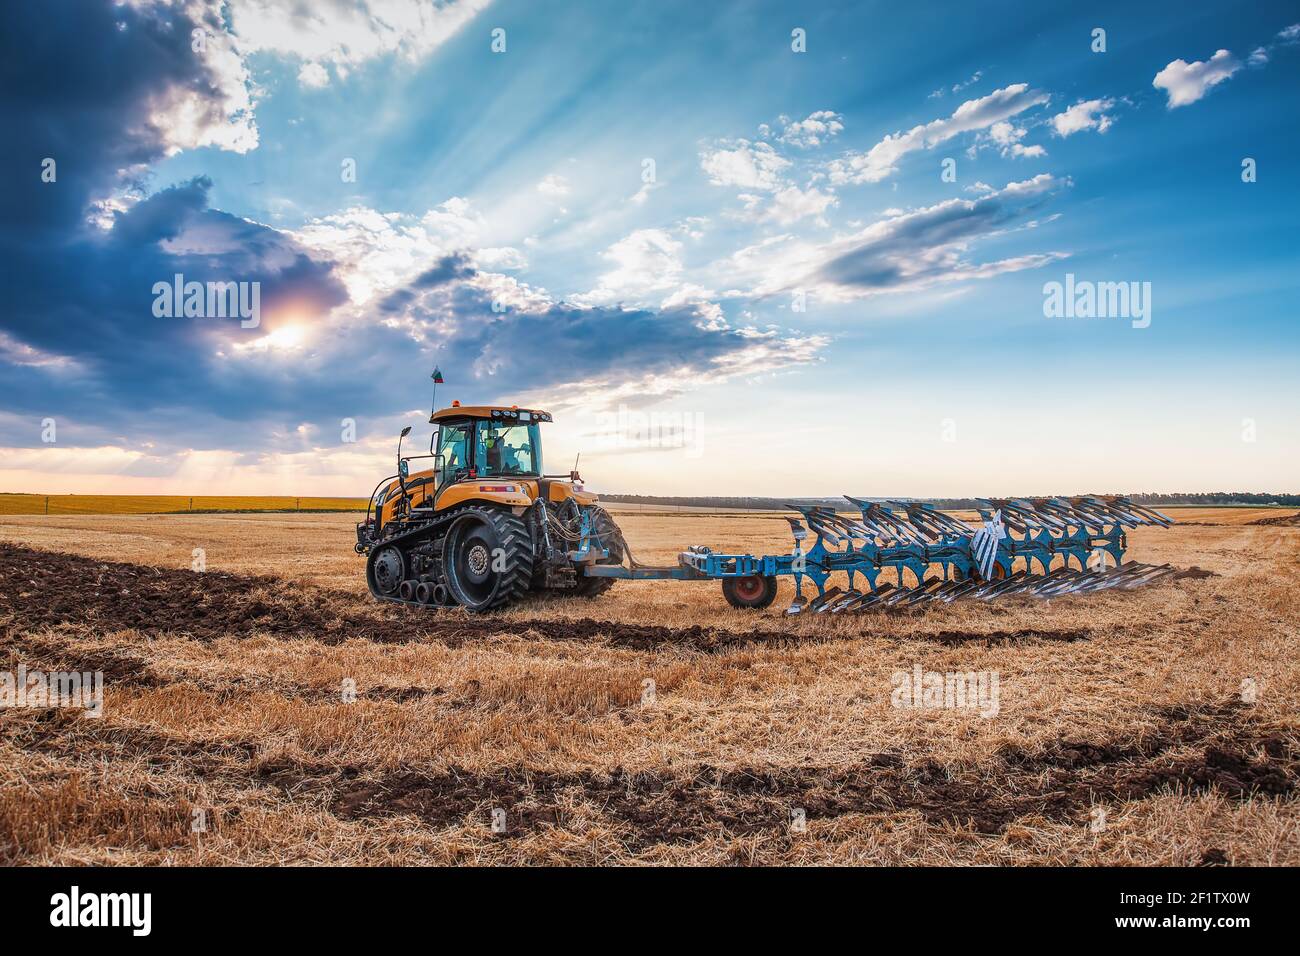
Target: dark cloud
[(456, 266), (554, 344), (91, 297), (78, 82), (81, 85), (925, 244), (79, 339)]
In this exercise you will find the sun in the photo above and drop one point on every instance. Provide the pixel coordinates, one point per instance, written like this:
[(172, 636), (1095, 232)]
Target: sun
[(284, 339)]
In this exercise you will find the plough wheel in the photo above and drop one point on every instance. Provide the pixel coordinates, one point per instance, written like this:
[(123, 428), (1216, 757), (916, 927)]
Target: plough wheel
[(999, 573), (753, 591)]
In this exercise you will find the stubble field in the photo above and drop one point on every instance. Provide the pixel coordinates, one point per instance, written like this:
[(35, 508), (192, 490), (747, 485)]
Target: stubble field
[(652, 725)]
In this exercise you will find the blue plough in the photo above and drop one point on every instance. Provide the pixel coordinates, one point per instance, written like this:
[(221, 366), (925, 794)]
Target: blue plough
[(1042, 547)]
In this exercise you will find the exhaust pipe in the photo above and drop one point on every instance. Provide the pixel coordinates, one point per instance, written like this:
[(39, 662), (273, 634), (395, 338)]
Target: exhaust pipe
[(406, 590)]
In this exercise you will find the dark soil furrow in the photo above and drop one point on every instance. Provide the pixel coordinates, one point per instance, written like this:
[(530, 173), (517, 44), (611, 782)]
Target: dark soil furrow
[(1061, 782), (1193, 749), (123, 668), (49, 589)]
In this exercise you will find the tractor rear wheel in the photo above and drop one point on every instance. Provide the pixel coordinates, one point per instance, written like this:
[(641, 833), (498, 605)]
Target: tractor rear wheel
[(611, 538), (488, 559), (755, 591)]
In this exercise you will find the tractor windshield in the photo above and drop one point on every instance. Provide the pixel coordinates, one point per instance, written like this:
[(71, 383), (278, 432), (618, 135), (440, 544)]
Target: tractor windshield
[(452, 449), (503, 450)]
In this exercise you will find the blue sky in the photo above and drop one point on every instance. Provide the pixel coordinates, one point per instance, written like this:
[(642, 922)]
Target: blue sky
[(726, 265)]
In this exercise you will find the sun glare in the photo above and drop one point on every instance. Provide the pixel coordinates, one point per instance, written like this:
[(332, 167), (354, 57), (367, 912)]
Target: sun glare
[(283, 339)]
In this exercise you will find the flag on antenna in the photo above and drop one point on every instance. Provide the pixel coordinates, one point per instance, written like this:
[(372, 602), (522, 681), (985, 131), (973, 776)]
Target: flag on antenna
[(437, 375)]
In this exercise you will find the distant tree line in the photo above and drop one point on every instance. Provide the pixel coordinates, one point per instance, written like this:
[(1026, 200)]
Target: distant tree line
[(1220, 498), (778, 504)]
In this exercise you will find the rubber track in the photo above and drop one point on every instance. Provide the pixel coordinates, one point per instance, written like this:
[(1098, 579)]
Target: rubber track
[(510, 531)]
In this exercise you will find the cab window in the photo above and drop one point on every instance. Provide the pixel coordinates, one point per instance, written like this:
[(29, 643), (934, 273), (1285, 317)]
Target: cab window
[(453, 443), (503, 450)]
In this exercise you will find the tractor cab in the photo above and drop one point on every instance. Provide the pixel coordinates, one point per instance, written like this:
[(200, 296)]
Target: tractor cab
[(484, 441), (489, 454)]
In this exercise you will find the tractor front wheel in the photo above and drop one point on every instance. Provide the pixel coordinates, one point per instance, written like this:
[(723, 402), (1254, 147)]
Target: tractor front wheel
[(755, 591), (385, 571), (488, 559)]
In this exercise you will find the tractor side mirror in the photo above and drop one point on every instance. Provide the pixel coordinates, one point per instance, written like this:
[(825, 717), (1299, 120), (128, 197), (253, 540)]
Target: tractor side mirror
[(402, 467)]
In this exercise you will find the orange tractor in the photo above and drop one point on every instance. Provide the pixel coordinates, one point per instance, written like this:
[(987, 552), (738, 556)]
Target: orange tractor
[(484, 525)]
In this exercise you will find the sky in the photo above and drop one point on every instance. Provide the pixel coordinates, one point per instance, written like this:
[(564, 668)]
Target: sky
[(735, 248)]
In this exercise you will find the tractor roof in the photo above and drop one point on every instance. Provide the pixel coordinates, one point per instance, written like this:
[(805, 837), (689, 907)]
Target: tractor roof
[(508, 413)]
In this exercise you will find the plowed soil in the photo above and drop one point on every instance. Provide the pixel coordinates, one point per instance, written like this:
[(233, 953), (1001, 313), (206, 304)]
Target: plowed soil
[(1060, 782), (44, 588), (1283, 521), (298, 721)]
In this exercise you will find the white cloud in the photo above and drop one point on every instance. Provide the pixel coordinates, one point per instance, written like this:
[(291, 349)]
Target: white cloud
[(744, 164), (378, 251), (14, 352), (792, 204), (760, 170), (1185, 83), (1287, 36), (313, 75), (1086, 114), (901, 252), (646, 262), (1004, 134), (639, 197), (1037, 186), (501, 257), (554, 186), (1027, 152), (817, 129), (218, 112), (957, 87), (882, 159), (287, 338), (348, 34), (1007, 138)]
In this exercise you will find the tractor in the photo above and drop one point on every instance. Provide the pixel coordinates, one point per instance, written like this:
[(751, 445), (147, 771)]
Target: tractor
[(484, 526)]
